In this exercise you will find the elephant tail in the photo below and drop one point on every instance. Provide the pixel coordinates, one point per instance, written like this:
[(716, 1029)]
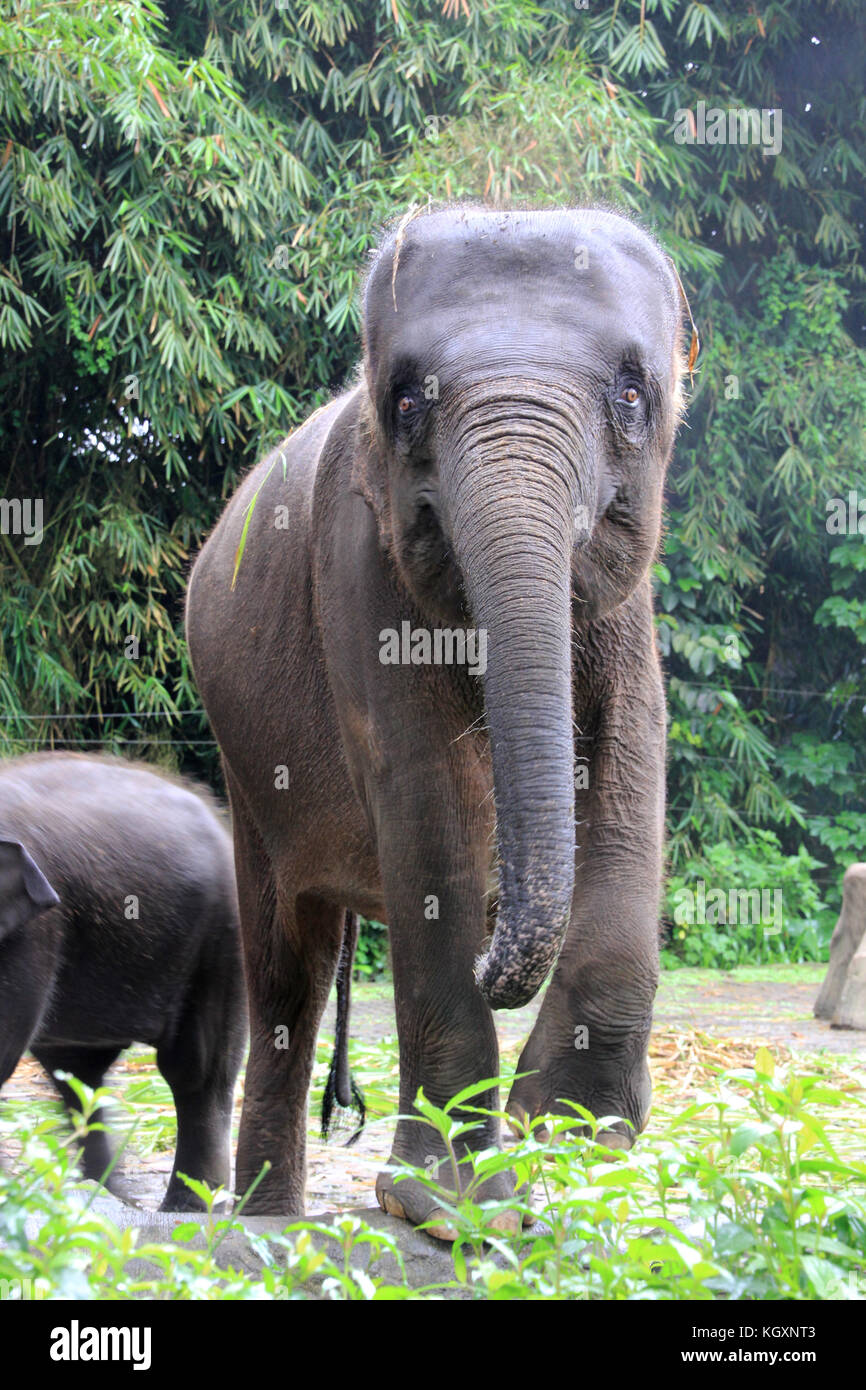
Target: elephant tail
[(340, 1086)]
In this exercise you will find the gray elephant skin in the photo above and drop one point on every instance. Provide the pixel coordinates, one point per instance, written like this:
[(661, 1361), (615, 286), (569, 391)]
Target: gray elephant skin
[(119, 924), (496, 468)]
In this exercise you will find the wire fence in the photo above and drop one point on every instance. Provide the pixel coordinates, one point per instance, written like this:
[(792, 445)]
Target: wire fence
[(199, 713), (101, 715), (137, 742)]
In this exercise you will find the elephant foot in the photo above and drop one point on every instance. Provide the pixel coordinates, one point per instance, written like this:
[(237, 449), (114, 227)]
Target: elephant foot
[(409, 1200), (519, 1121), (607, 1086), (421, 1209), (181, 1199), (279, 1192)]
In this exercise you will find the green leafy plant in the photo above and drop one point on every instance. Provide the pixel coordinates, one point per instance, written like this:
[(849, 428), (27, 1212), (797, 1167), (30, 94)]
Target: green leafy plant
[(371, 956), (747, 875), (743, 1195), (753, 1190)]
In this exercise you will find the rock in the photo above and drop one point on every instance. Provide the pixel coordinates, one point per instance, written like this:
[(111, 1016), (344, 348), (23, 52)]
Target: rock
[(842, 997), (851, 1010), (425, 1260)]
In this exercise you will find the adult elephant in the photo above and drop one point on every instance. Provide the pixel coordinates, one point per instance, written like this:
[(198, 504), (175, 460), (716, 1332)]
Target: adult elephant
[(497, 467)]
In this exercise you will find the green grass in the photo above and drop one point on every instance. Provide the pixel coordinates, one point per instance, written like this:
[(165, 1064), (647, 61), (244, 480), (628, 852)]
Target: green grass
[(779, 972), (755, 1188)]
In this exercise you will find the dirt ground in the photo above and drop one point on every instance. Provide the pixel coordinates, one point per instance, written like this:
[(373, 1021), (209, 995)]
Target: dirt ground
[(770, 1005)]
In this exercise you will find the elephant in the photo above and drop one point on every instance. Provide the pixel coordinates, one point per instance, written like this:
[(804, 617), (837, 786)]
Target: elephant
[(423, 634), (119, 924)]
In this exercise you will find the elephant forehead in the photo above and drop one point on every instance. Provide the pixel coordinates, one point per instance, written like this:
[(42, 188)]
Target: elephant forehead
[(588, 283), (479, 337)]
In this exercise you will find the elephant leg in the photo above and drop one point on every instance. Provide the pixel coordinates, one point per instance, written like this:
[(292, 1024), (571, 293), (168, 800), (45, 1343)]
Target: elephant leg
[(200, 1064), (27, 968), (17, 1032), (434, 848), (589, 1044), (291, 946), (289, 980), (88, 1064), (203, 1126)]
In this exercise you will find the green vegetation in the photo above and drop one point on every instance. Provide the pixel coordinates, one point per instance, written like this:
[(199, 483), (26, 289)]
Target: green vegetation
[(751, 1191), (794, 925), (371, 958), (187, 196)]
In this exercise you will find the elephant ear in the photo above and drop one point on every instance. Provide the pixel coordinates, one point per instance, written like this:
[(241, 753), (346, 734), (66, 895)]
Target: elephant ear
[(369, 471), (24, 889)]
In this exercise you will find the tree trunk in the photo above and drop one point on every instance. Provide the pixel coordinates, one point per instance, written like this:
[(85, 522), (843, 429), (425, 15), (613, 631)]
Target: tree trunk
[(842, 998)]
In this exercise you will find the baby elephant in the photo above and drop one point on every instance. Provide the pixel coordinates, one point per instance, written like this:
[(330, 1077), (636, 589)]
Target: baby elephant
[(119, 924)]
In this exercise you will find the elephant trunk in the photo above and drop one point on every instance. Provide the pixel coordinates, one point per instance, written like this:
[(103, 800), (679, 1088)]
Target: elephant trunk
[(512, 527)]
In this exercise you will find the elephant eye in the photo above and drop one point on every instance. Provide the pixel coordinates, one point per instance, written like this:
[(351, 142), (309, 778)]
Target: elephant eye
[(408, 410), (630, 396)]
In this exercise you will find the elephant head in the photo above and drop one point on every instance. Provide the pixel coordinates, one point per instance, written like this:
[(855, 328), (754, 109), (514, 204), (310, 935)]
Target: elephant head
[(522, 375)]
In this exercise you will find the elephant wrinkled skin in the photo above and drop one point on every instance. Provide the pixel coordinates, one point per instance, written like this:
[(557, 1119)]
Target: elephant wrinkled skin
[(497, 466)]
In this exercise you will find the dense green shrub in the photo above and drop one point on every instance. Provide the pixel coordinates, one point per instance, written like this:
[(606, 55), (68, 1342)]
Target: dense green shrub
[(707, 903)]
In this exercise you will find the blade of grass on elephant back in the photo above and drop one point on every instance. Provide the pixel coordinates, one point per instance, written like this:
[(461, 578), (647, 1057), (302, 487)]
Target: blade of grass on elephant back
[(248, 516)]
